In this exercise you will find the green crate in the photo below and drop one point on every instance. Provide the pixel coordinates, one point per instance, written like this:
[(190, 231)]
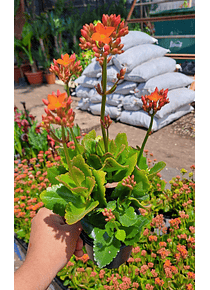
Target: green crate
[(176, 27)]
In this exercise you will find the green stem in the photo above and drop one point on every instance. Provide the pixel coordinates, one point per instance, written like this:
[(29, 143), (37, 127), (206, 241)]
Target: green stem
[(145, 139), (75, 141), (71, 130), (67, 157), (103, 104)]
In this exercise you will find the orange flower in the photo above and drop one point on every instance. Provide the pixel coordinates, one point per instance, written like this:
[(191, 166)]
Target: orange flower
[(56, 102), (102, 33), (66, 60), (155, 96)]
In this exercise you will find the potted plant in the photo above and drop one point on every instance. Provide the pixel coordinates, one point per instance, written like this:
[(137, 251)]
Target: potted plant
[(35, 76), (101, 182), (21, 67)]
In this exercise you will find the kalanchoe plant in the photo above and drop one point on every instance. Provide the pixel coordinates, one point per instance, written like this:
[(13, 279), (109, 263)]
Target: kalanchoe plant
[(101, 182)]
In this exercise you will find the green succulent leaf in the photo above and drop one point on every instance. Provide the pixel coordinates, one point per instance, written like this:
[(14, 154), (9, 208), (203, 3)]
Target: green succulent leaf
[(54, 171), (143, 163), (110, 226), (112, 147), (100, 150), (80, 163), (129, 167), (156, 168), (57, 197), (94, 161), (105, 247), (111, 205), (120, 139), (99, 194), (120, 235), (111, 165), (76, 210), (129, 217), (89, 136), (143, 181)]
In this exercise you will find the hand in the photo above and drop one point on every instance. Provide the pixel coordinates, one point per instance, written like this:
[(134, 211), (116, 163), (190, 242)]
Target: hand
[(52, 243)]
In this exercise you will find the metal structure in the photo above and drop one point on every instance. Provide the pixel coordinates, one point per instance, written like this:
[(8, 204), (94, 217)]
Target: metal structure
[(161, 18)]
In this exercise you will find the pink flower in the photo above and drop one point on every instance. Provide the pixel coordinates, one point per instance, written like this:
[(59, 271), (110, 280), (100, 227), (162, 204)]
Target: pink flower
[(143, 253), (149, 287)]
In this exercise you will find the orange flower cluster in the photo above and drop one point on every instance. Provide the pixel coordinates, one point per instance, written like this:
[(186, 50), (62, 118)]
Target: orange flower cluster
[(65, 67), (154, 102), (60, 105), (104, 38)]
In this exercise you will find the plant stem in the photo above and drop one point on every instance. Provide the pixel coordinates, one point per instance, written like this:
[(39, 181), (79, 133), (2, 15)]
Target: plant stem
[(71, 130), (67, 157), (103, 104), (145, 139)]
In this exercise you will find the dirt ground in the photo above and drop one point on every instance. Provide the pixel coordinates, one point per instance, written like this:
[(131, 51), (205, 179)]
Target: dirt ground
[(173, 144)]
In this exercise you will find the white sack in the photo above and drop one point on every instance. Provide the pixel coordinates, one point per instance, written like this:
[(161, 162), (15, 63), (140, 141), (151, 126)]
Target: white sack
[(131, 103), (142, 119), (137, 55), (151, 68), (83, 104), (82, 92), (86, 82), (178, 98), (125, 88), (134, 38), (169, 81), (114, 112), (114, 99)]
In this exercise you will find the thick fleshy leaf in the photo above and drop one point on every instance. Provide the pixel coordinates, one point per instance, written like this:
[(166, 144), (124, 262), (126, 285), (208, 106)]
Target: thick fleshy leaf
[(80, 163), (94, 161), (77, 210), (129, 164), (142, 164), (57, 197), (110, 226), (120, 235), (100, 150), (99, 194), (90, 146), (90, 135), (142, 179), (54, 171), (67, 180), (112, 147), (111, 165), (120, 139), (105, 248), (111, 205), (156, 168), (129, 217), (89, 183)]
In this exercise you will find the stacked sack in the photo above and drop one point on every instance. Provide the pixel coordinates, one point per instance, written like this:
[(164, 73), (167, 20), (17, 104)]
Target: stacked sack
[(146, 68)]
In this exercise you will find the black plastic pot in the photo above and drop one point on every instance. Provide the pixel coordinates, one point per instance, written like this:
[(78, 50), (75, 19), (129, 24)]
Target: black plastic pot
[(122, 256)]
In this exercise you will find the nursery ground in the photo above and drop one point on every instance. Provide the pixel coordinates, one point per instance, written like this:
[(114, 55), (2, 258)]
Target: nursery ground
[(173, 144)]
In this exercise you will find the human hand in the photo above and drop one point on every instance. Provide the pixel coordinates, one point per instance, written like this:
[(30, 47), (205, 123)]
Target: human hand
[(52, 243), (53, 239)]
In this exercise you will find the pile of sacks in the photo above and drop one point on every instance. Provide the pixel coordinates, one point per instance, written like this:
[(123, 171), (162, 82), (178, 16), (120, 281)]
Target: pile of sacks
[(146, 68)]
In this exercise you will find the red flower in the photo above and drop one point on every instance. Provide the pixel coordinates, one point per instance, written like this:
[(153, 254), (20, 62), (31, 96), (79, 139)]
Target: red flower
[(102, 33)]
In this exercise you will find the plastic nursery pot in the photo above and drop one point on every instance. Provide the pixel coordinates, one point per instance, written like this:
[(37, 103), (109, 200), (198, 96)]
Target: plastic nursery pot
[(34, 78), (122, 256), (50, 78)]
